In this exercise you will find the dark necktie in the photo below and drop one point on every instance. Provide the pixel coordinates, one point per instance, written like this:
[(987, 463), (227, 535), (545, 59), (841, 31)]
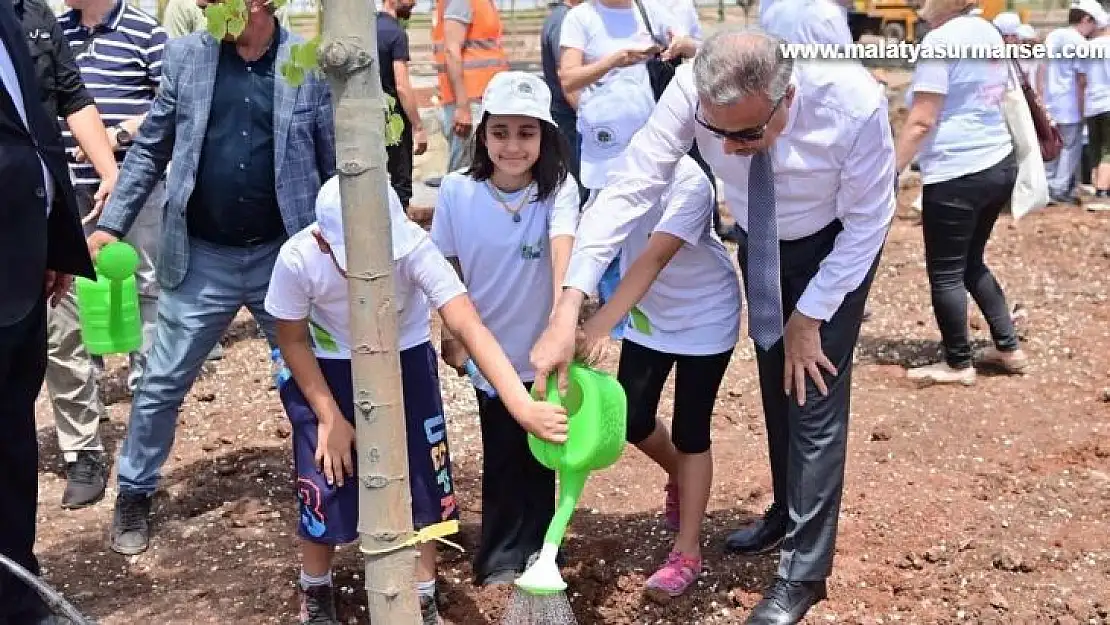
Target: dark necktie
[(764, 290)]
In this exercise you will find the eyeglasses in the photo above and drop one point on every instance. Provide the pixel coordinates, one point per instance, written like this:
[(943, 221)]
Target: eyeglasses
[(744, 135)]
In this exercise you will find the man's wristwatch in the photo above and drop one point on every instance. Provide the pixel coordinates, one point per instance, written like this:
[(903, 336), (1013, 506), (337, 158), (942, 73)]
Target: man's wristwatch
[(123, 138)]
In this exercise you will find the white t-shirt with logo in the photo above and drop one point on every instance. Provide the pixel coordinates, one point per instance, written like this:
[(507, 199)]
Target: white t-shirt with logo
[(506, 265), (306, 284), (1096, 100), (1061, 89), (971, 132), (693, 307), (598, 31)]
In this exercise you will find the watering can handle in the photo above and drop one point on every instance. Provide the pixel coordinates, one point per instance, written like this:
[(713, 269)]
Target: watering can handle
[(553, 389)]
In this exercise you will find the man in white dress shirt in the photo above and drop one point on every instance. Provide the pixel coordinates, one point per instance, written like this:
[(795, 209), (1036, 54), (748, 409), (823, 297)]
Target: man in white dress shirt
[(806, 155)]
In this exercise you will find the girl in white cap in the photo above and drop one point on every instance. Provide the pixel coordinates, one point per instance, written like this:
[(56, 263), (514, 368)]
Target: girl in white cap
[(507, 224), (309, 299)]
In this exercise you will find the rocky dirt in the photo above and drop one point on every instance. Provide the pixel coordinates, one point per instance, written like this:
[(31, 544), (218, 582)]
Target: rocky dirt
[(982, 504)]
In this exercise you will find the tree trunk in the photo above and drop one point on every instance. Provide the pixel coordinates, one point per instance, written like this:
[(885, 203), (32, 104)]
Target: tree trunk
[(348, 56)]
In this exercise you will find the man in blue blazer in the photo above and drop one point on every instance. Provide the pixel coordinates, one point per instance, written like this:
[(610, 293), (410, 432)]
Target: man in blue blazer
[(249, 152)]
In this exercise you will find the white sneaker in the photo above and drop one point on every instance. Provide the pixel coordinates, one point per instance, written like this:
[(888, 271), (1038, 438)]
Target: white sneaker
[(941, 373), (1007, 362)]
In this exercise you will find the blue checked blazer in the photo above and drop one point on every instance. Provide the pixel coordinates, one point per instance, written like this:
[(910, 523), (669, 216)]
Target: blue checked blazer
[(304, 146)]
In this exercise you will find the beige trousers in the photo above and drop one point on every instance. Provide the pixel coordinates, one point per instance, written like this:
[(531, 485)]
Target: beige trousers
[(71, 376)]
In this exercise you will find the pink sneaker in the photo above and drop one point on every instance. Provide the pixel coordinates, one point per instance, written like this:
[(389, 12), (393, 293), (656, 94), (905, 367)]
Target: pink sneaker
[(670, 507), (673, 578)]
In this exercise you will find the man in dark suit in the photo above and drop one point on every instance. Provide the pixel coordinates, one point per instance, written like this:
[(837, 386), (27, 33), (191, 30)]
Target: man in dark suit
[(41, 246)]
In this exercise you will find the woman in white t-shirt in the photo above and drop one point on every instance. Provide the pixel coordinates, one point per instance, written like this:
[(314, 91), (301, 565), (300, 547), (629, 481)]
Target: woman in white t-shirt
[(508, 225), (957, 131), (308, 297), (602, 38), (683, 293)]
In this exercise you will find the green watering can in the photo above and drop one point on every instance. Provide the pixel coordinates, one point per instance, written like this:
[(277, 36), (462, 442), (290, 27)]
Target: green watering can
[(108, 307), (596, 422)]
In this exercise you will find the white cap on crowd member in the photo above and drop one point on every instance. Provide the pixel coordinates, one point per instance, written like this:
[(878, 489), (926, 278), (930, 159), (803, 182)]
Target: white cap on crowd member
[(329, 219), (607, 119), (808, 22), (1007, 23), (1092, 8), (518, 93), (1026, 32)]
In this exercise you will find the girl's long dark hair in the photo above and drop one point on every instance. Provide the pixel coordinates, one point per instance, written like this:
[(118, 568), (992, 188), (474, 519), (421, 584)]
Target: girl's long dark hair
[(549, 171)]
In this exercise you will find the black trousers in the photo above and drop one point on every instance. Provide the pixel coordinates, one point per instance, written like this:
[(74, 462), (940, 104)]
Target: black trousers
[(643, 373), (957, 219), (807, 444), (22, 367), (518, 493), (399, 164)]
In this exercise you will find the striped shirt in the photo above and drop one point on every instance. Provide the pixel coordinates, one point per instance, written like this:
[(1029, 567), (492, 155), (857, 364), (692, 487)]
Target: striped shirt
[(121, 65)]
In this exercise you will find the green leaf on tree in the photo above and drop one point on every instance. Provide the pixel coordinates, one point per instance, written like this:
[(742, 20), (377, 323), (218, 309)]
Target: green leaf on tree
[(235, 26), (394, 128), (304, 54), (237, 8), (292, 74), (216, 15)]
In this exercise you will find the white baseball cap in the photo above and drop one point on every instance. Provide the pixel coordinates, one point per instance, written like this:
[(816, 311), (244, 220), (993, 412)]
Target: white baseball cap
[(406, 233), (1007, 23), (607, 120), (1026, 32), (517, 93)]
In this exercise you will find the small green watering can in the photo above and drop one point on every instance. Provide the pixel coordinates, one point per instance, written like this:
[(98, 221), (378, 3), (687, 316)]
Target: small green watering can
[(596, 422), (108, 307)]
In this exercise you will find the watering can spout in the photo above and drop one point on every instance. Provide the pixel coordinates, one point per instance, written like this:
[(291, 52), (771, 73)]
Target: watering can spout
[(571, 484)]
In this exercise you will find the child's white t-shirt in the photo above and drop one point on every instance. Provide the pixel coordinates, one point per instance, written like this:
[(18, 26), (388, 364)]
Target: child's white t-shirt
[(307, 284), (598, 31), (693, 307), (506, 265)]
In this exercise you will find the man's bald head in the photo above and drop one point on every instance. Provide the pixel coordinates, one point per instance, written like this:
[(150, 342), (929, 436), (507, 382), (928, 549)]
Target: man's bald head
[(738, 62)]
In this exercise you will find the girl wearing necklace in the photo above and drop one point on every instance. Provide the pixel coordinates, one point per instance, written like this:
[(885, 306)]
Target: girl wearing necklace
[(507, 225)]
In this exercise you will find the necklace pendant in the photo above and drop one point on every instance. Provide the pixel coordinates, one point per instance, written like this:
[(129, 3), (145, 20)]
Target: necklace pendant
[(516, 218)]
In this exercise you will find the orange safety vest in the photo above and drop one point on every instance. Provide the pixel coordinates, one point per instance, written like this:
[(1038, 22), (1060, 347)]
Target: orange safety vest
[(482, 53)]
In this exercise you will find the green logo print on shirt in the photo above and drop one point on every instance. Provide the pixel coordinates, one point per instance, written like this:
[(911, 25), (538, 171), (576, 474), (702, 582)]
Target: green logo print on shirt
[(640, 321), (532, 251), (323, 339)]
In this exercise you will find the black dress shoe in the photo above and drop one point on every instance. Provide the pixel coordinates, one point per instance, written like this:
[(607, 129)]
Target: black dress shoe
[(786, 603), (763, 536)]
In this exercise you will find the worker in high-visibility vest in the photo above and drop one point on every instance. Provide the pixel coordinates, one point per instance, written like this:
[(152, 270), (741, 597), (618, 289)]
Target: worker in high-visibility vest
[(466, 39)]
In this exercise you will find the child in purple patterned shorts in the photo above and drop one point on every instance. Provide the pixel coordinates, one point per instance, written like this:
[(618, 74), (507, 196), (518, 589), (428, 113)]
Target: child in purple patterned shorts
[(308, 298)]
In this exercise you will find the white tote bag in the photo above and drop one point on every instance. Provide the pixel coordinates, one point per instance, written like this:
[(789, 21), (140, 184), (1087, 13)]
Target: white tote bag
[(1031, 189)]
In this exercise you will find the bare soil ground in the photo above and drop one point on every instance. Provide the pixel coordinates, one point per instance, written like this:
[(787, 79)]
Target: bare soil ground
[(983, 504)]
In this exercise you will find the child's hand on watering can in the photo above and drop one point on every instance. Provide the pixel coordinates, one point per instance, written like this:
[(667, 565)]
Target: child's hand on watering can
[(592, 342), (546, 421)]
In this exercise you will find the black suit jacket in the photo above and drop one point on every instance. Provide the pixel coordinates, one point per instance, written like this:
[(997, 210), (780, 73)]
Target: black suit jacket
[(31, 243)]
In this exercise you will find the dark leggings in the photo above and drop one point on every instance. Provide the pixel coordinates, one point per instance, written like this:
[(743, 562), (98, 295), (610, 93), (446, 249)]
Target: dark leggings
[(518, 493), (958, 216), (643, 372)]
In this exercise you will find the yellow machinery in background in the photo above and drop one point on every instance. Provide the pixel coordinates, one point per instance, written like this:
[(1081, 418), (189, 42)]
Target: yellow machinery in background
[(898, 19)]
